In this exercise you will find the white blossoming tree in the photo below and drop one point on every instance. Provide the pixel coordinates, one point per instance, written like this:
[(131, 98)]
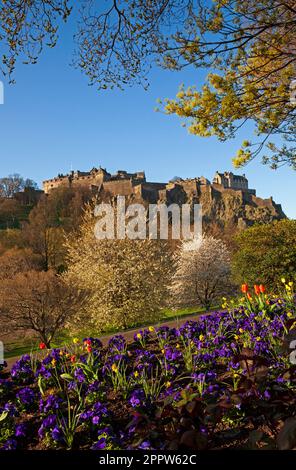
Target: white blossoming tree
[(203, 272), (127, 281)]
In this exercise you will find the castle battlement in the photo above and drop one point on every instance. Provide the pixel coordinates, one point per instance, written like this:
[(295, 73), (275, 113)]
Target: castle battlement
[(246, 207), (124, 183), (92, 179)]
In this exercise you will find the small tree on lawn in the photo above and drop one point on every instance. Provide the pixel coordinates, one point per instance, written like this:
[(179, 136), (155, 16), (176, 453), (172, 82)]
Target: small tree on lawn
[(203, 272), (265, 253), (38, 301), (126, 280)]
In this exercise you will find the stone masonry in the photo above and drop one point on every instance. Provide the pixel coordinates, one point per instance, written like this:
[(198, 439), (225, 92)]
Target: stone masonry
[(227, 198)]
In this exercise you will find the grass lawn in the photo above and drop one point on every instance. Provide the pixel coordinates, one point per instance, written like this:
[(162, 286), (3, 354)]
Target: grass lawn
[(172, 314), (19, 347)]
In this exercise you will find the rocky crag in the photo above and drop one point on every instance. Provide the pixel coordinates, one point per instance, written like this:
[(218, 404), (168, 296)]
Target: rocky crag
[(226, 201)]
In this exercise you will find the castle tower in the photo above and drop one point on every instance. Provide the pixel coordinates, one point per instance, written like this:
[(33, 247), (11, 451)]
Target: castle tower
[(231, 181)]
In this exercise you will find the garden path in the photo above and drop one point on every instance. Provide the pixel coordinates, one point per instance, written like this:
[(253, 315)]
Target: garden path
[(129, 334)]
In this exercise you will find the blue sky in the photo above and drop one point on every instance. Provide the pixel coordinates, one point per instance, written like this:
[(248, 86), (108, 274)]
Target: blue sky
[(52, 120)]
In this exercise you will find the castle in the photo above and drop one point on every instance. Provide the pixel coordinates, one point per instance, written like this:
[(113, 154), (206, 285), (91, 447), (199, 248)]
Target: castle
[(126, 184), (96, 179), (231, 181), (227, 199)]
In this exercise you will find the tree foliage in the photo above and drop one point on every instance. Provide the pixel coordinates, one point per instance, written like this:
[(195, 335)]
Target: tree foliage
[(38, 301), (17, 260), (250, 46), (12, 184), (26, 26), (11, 212), (203, 272), (126, 280), (44, 235), (55, 214), (266, 253)]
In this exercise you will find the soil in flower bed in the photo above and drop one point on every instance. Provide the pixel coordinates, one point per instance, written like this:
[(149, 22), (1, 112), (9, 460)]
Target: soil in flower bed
[(225, 381)]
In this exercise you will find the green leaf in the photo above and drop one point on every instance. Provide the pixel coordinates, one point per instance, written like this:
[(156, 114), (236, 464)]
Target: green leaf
[(3, 415), (67, 377)]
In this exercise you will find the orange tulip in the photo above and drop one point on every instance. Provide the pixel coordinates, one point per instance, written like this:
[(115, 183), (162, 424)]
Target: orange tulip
[(249, 296), (257, 289), (245, 288), (262, 288)]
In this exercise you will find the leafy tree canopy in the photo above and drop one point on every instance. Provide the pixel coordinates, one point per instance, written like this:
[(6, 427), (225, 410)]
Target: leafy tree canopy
[(266, 253)]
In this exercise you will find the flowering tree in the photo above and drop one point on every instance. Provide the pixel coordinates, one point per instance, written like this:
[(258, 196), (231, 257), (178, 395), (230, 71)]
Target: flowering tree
[(126, 280), (203, 273)]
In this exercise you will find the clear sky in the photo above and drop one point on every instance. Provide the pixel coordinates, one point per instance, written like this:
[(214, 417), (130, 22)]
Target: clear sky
[(52, 120)]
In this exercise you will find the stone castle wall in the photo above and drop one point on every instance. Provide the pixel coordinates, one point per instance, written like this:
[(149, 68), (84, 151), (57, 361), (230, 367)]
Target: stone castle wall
[(120, 187), (227, 199), (121, 181), (135, 183), (128, 184), (55, 183)]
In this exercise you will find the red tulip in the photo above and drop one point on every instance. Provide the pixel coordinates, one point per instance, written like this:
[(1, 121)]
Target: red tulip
[(245, 288), (262, 288), (42, 346), (257, 289)]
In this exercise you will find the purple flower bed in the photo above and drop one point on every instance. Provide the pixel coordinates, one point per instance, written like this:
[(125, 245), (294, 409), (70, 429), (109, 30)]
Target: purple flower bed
[(224, 381)]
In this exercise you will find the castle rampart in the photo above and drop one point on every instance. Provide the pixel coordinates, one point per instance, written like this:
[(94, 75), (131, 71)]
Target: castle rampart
[(126, 184), (94, 179), (227, 197)]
